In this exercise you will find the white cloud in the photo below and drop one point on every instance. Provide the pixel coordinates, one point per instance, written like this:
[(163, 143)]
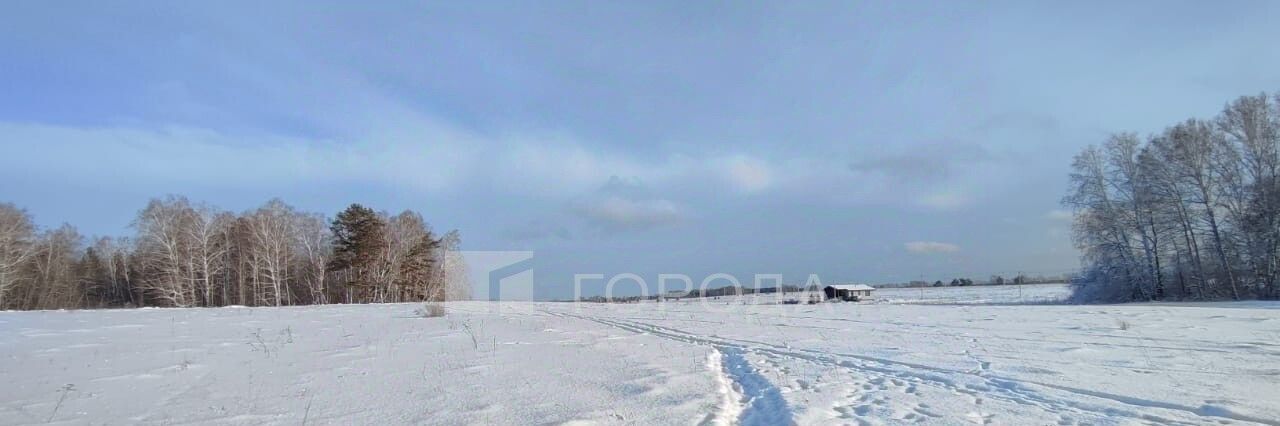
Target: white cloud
[(417, 154), (420, 153), (554, 167), (931, 247), (618, 213), (559, 165), (627, 203)]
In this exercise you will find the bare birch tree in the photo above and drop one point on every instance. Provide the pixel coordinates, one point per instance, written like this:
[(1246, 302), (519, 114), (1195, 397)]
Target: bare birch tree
[(189, 255), (272, 231), (164, 251), (17, 235), (314, 250)]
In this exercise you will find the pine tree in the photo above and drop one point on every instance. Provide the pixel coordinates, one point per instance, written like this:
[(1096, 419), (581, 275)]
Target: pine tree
[(359, 237)]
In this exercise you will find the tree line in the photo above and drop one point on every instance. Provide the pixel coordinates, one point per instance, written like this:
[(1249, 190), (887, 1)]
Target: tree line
[(186, 254), (997, 279), (1192, 212)]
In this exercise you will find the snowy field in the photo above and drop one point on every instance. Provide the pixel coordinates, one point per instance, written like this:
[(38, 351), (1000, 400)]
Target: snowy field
[(978, 295), (720, 362), (974, 295)]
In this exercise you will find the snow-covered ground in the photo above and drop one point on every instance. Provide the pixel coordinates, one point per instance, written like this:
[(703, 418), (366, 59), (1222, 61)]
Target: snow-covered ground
[(974, 295), (979, 295), (711, 362)]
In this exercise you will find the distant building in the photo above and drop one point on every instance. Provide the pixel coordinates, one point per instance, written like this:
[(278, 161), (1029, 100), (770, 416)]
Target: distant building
[(674, 295), (848, 292)]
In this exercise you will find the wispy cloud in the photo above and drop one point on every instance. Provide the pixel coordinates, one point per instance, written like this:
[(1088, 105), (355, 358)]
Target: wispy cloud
[(924, 164), (616, 213), (422, 154), (931, 247), (203, 156), (626, 204)]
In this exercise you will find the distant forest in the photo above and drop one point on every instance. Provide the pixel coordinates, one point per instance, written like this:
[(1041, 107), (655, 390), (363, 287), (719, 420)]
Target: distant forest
[(187, 255), (1192, 212)]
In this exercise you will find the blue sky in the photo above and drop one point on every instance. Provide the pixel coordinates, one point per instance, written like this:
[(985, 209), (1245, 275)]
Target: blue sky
[(862, 141)]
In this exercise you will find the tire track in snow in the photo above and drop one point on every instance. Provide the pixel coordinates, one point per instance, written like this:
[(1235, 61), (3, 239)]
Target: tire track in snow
[(749, 398), (991, 386)]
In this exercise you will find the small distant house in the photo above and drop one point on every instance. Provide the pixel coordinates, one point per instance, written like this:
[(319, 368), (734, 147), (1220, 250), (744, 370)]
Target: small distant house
[(848, 292)]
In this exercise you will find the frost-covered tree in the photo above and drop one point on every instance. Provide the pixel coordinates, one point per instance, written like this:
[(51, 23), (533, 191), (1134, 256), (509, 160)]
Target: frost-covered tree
[(1191, 212)]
